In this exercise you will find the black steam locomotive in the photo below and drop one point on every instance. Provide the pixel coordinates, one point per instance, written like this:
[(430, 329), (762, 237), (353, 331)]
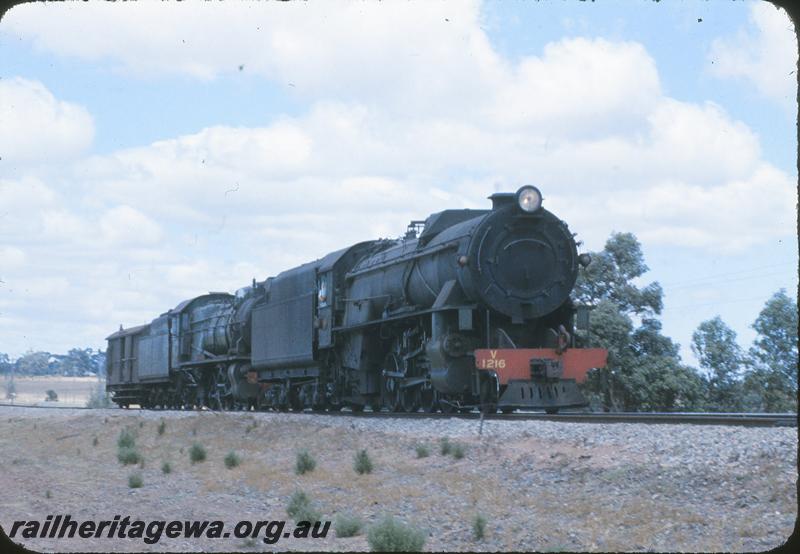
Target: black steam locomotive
[(470, 309)]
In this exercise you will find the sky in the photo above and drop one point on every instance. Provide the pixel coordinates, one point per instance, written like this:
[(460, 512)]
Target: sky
[(151, 152)]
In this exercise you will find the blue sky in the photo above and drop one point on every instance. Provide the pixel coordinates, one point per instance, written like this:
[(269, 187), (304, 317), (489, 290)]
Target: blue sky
[(141, 165)]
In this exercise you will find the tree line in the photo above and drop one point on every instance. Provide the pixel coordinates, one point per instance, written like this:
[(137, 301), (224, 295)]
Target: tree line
[(75, 363), (645, 371)]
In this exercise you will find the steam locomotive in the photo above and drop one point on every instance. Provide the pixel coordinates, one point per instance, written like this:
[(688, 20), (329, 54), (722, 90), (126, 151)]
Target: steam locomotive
[(471, 308)]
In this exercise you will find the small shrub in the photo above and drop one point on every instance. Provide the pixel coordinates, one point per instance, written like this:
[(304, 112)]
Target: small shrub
[(347, 526), (162, 426), (478, 527), (445, 446), (166, 468), (99, 398), (197, 453), (126, 439), (362, 463), (304, 463), (391, 535), (301, 508), (135, 480), (457, 451), (423, 451), (232, 460), (128, 456), (297, 500)]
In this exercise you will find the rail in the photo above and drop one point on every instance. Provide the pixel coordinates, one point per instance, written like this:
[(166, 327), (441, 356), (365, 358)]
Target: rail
[(675, 418)]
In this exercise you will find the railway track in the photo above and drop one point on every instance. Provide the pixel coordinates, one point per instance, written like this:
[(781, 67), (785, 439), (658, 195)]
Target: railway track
[(674, 418), (737, 419)]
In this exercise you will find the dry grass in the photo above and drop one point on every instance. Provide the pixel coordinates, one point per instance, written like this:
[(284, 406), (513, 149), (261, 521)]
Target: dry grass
[(72, 391), (398, 480)]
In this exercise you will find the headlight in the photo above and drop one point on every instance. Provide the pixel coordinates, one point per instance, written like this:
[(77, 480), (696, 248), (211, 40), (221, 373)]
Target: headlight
[(529, 198)]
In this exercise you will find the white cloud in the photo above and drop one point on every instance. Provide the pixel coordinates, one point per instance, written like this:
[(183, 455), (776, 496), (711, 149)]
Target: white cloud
[(730, 217), (24, 194), (11, 258), (126, 226), (418, 59), (579, 84), (691, 176), (59, 225), (699, 143), (427, 60), (317, 48), (37, 128), (765, 55), (33, 213), (23, 202)]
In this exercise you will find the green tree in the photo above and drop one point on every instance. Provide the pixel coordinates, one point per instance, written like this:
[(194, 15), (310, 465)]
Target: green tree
[(610, 329), (659, 380), (647, 340), (78, 361), (5, 363), (610, 276), (33, 363), (644, 370), (773, 357), (662, 383), (714, 344)]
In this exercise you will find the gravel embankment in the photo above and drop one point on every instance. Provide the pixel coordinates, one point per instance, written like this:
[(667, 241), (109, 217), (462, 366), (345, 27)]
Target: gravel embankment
[(541, 485)]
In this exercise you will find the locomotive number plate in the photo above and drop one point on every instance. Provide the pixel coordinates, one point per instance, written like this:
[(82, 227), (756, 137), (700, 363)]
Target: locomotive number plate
[(515, 363), (490, 361)]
